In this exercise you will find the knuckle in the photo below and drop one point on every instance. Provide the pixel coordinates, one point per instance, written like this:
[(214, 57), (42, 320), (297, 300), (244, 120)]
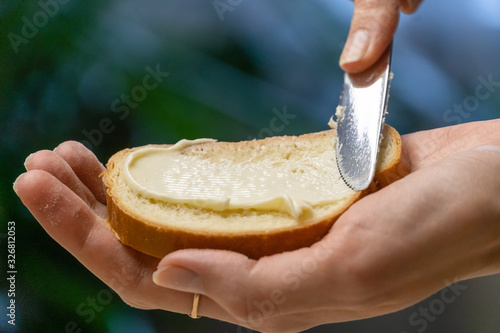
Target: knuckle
[(87, 227), (129, 286)]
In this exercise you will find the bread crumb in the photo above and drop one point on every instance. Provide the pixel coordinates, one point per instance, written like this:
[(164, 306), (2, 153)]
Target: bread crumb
[(332, 123), (339, 112)]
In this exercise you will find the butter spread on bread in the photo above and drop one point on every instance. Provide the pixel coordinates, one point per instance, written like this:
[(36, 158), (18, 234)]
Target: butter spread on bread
[(257, 197), (177, 175)]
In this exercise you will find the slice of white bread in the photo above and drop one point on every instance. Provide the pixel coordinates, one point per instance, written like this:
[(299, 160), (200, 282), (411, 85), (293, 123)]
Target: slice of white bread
[(157, 228)]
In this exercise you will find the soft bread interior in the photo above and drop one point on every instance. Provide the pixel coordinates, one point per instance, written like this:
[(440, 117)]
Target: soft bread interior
[(290, 153)]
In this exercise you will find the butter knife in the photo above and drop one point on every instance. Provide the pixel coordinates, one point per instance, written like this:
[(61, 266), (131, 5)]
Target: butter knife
[(360, 120)]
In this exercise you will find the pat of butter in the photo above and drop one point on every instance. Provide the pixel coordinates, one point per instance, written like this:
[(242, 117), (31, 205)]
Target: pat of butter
[(173, 176)]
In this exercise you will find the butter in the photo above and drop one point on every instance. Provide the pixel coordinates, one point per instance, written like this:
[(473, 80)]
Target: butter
[(171, 175)]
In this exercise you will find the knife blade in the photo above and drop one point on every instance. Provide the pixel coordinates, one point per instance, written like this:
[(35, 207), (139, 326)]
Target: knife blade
[(360, 120)]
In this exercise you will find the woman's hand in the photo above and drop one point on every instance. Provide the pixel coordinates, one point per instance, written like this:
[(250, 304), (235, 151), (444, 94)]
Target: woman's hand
[(391, 249), (372, 28)]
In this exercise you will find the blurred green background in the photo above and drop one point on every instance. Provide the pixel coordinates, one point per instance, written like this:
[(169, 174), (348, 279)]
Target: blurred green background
[(66, 65)]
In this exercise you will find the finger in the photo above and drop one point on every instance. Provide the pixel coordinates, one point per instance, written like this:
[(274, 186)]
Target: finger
[(459, 186), (71, 222), (372, 29), (275, 291), (425, 147), (85, 165), (54, 164), (262, 292), (410, 6), (63, 214), (265, 294)]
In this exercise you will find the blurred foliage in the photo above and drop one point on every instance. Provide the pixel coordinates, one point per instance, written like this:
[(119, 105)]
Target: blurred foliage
[(225, 79)]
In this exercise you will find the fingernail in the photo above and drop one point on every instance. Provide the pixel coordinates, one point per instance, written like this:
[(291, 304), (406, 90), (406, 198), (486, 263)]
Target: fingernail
[(492, 148), (411, 4), (355, 47), (26, 161), (406, 6), (178, 278), (14, 186)]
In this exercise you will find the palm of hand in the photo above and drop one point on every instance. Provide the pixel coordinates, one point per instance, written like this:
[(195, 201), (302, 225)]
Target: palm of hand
[(388, 251)]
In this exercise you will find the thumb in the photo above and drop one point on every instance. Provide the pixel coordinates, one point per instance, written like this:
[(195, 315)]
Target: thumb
[(410, 6), (200, 271), (372, 29), (251, 290)]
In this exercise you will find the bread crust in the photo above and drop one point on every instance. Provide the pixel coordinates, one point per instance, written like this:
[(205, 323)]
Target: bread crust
[(135, 231)]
